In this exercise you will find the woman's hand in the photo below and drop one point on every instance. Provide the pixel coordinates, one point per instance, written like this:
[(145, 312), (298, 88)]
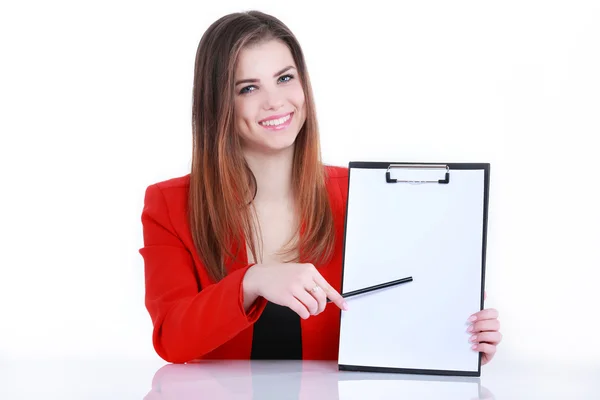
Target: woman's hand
[(485, 329), (297, 286)]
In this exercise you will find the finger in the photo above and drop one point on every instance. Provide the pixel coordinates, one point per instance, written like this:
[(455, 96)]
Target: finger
[(305, 298), (486, 337), (295, 305), (330, 292), (321, 298), (486, 348), (485, 325), (488, 313)]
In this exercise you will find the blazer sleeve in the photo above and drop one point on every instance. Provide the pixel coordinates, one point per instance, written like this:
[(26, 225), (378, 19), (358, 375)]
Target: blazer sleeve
[(188, 321)]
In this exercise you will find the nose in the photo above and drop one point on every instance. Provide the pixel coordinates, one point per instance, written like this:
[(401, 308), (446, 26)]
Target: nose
[(272, 101)]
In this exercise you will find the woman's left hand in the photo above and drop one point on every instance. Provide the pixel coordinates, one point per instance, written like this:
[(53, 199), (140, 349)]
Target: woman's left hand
[(485, 330)]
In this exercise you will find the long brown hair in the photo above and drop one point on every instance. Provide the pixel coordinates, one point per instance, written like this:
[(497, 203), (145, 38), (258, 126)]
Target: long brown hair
[(221, 183)]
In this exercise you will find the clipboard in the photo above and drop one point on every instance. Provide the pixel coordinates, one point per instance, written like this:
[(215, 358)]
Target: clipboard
[(427, 221)]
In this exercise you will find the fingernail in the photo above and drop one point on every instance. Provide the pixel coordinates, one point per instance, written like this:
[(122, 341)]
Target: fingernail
[(472, 338), (345, 305), (470, 329), (474, 347), (473, 318)]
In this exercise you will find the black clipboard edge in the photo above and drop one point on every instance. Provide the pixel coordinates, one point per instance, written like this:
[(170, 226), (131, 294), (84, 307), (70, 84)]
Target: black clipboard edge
[(385, 164), (413, 371), (486, 189)]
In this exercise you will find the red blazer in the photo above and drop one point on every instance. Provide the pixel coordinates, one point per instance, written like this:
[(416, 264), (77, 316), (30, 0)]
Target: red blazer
[(195, 318)]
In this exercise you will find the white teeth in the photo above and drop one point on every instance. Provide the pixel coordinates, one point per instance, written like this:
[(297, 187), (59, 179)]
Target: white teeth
[(276, 122)]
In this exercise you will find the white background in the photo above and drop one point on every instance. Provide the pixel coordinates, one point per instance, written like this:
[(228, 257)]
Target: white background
[(95, 104)]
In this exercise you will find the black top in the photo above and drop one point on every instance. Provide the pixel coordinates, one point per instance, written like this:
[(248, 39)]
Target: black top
[(277, 334)]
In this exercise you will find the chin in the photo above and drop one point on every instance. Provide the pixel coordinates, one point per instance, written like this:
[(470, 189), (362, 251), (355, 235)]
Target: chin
[(280, 145)]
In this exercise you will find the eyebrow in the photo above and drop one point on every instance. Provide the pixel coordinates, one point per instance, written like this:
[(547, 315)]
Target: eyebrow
[(257, 80)]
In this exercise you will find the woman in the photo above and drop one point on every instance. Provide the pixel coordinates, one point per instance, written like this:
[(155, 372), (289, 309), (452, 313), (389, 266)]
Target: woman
[(241, 254)]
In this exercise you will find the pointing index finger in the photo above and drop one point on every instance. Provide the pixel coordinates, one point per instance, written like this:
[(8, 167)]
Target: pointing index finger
[(331, 293)]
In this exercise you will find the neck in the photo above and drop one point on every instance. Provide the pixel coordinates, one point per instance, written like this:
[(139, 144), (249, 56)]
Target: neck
[(273, 173)]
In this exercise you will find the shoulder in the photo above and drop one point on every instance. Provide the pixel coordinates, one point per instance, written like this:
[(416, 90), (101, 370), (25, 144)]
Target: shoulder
[(336, 172), (177, 184), (171, 193), (336, 180), (180, 182)]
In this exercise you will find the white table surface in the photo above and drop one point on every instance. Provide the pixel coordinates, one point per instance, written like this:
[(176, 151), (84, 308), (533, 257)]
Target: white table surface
[(154, 379)]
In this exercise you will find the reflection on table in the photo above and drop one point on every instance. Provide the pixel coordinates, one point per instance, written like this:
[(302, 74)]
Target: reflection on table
[(312, 380)]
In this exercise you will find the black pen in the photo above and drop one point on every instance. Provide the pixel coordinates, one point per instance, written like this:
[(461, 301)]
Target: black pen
[(376, 287)]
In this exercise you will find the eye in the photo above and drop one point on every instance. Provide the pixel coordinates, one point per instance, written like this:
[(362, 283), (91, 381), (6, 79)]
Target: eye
[(247, 89), (286, 78)]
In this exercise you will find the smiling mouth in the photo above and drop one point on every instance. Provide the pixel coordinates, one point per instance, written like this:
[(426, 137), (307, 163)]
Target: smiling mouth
[(280, 123)]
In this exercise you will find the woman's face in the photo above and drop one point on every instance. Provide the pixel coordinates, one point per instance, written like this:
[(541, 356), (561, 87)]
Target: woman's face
[(269, 99)]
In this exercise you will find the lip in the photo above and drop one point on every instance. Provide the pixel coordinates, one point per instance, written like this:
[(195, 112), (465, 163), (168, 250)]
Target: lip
[(285, 125), (275, 117)]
